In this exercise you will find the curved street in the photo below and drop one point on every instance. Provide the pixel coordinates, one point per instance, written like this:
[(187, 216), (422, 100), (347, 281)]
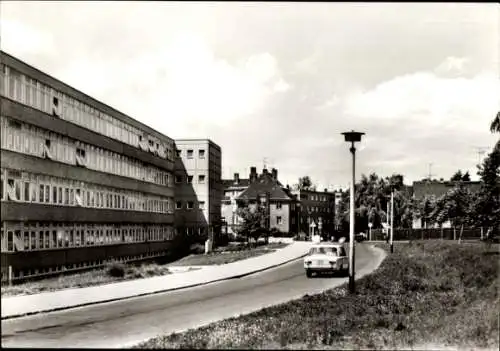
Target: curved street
[(127, 322)]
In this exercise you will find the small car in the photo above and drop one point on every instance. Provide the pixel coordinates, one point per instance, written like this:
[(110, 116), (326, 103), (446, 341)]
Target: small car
[(326, 258), (360, 237)]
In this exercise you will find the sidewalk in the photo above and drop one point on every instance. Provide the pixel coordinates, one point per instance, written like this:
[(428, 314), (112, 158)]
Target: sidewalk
[(16, 306)]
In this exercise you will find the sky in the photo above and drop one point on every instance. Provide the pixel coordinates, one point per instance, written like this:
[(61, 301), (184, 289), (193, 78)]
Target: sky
[(276, 83)]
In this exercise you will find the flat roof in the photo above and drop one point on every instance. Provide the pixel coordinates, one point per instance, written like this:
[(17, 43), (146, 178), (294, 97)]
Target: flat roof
[(57, 84), (190, 141)]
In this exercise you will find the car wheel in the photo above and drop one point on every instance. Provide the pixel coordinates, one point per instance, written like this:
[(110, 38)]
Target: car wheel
[(308, 273)]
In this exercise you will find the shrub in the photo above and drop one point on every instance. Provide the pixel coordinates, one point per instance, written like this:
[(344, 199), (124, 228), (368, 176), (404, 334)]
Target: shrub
[(301, 237), (221, 240), (116, 270), (197, 249)]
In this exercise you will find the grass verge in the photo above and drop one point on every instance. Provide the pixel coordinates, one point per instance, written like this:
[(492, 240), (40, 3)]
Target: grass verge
[(118, 272), (95, 277), (425, 293), (228, 255)]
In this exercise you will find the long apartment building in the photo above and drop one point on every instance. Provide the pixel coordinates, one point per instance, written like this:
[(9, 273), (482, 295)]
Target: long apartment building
[(81, 183), (198, 187)]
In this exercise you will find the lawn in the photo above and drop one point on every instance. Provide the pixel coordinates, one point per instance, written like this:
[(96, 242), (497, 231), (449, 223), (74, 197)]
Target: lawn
[(431, 294), (228, 256), (129, 272), (85, 279)]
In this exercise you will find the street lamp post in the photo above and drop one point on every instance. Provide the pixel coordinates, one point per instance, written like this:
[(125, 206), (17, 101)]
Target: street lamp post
[(352, 137)]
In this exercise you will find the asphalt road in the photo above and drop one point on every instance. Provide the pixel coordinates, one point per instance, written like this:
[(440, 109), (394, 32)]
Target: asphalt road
[(127, 322)]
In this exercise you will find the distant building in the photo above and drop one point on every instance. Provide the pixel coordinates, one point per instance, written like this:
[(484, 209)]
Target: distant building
[(317, 208), (198, 187), (266, 190), (436, 189), (233, 188)]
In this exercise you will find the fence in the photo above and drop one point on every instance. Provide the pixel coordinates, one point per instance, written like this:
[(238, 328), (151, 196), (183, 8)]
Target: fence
[(430, 233)]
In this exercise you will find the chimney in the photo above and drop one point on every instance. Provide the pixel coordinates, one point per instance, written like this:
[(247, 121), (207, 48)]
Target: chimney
[(236, 178), (274, 172), (326, 190), (253, 174)]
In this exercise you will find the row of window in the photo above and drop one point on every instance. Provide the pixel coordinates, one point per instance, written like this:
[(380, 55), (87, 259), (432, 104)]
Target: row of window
[(189, 179), (31, 140), (319, 209), (28, 91), (190, 153), (46, 236), (189, 205), (37, 188), (311, 197)]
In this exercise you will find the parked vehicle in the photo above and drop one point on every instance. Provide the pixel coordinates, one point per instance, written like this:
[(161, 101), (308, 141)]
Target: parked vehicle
[(326, 258), (360, 237)]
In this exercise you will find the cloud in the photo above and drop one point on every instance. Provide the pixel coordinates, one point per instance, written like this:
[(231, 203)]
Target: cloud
[(422, 84), (452, 66), (20, 37), (425, 98), (182, 85)]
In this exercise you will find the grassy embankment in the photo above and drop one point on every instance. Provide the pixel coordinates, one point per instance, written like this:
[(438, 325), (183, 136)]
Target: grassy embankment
[(428, 294), (122, 272)]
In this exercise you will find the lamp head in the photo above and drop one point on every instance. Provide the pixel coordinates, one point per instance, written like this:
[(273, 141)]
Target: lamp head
[(353, 136)]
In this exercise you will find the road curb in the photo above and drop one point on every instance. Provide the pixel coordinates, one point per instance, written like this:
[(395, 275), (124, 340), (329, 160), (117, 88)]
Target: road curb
[(154, 292), (380, 254)]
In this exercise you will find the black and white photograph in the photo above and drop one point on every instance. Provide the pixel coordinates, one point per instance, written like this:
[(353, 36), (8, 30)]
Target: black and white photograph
[(250, 175)]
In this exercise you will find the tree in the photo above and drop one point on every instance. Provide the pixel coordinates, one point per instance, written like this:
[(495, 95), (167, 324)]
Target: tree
[(252, 222), (487, 204), (459, 177), (372, 195), (495, 124), (305, 183), (455, 206)]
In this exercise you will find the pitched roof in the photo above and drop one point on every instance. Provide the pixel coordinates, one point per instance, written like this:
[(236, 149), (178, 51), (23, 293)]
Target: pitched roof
[(230, 183), (264, 183)]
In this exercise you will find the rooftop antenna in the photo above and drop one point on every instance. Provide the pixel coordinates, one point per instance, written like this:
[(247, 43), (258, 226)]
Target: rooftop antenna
[(480, 150), (429, 175), (265, 162)]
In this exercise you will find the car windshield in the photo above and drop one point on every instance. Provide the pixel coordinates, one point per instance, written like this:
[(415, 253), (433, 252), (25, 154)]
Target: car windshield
[(324, 251)]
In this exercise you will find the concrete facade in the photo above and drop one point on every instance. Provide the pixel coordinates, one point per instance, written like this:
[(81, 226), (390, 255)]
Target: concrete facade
[(198, 187), (82, 183)]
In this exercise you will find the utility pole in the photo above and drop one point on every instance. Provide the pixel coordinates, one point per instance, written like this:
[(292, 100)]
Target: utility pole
[(430, 172), (392, 220), (480, 150)]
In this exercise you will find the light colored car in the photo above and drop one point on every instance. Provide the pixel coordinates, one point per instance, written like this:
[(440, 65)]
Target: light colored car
[(326, 258)]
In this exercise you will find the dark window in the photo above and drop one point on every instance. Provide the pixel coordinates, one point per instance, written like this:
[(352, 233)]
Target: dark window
[(26, 191), (190, 154), (201, 153)]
